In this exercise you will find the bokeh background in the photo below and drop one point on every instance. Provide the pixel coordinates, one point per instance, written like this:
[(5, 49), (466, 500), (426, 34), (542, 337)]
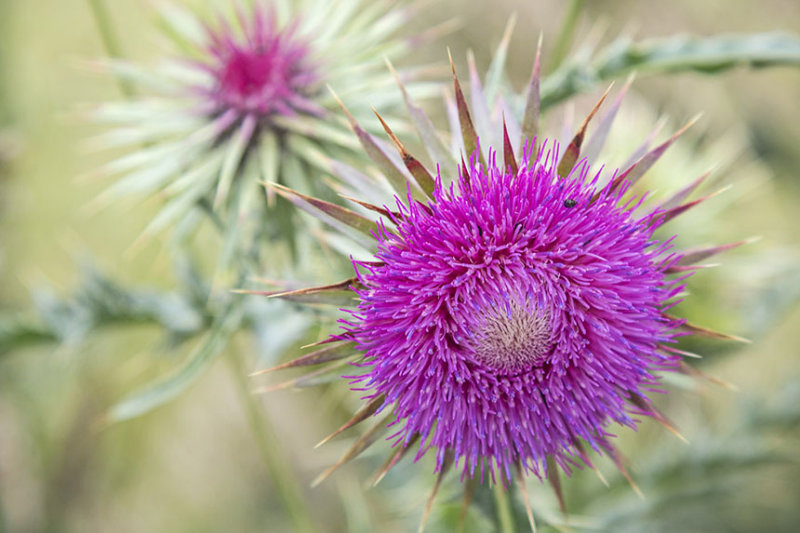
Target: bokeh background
[(192, 465)]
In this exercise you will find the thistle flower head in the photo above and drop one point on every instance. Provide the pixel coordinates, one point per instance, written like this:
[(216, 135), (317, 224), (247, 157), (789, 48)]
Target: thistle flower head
[(514, 313), (516, 306), (243, 100), (263, 72)]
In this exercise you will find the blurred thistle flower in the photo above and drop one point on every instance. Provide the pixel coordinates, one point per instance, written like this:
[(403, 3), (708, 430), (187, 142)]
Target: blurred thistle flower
[(515, 306), (262, 75), (244, 100)]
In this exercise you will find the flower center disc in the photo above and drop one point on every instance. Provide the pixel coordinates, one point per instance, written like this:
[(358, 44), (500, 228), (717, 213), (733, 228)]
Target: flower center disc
[(512, 336), (246, 73)]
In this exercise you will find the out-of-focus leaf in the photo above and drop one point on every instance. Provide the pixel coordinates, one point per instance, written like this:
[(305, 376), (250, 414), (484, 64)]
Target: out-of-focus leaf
[(100, 301), (164, 390), (275, 327), (672, 54), (17, 331)]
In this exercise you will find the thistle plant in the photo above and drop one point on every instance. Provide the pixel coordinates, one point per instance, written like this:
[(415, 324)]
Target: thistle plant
[(517, 306), (514, 301), (242, 99)]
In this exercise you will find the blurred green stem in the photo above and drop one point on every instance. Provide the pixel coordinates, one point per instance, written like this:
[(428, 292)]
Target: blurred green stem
[(565, 34), (679, 53), (504, 515), (3, 525), (268, 446), (109, 39)]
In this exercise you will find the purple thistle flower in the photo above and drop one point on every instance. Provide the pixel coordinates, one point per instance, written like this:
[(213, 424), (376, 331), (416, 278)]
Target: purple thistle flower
[(242, 100), (512, 312), (264, 71), (515, 313)]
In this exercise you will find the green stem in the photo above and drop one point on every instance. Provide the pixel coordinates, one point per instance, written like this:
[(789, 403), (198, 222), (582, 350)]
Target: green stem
[(565, 34), (3, 523), (109, 39), (208, 210), (6, 113), (17, 333), (679, 53), (503, 506), (269, 447)]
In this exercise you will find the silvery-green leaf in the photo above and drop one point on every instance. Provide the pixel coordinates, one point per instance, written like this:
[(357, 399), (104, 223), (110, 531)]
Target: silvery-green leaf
[(167, 388), (671, 54)]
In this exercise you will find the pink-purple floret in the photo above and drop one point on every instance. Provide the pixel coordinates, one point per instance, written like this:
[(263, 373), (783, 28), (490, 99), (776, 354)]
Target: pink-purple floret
[(264, 71), (588, 260)]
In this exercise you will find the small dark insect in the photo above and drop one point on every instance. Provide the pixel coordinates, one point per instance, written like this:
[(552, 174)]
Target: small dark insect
[(569, 202)]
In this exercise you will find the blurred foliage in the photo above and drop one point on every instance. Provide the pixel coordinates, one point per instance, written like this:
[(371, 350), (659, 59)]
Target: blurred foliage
[(193, 465), (710, 55), (99, 301)]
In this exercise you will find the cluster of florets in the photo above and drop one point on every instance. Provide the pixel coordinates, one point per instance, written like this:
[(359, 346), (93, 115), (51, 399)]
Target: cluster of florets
[(264, 71), (514, 314)]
